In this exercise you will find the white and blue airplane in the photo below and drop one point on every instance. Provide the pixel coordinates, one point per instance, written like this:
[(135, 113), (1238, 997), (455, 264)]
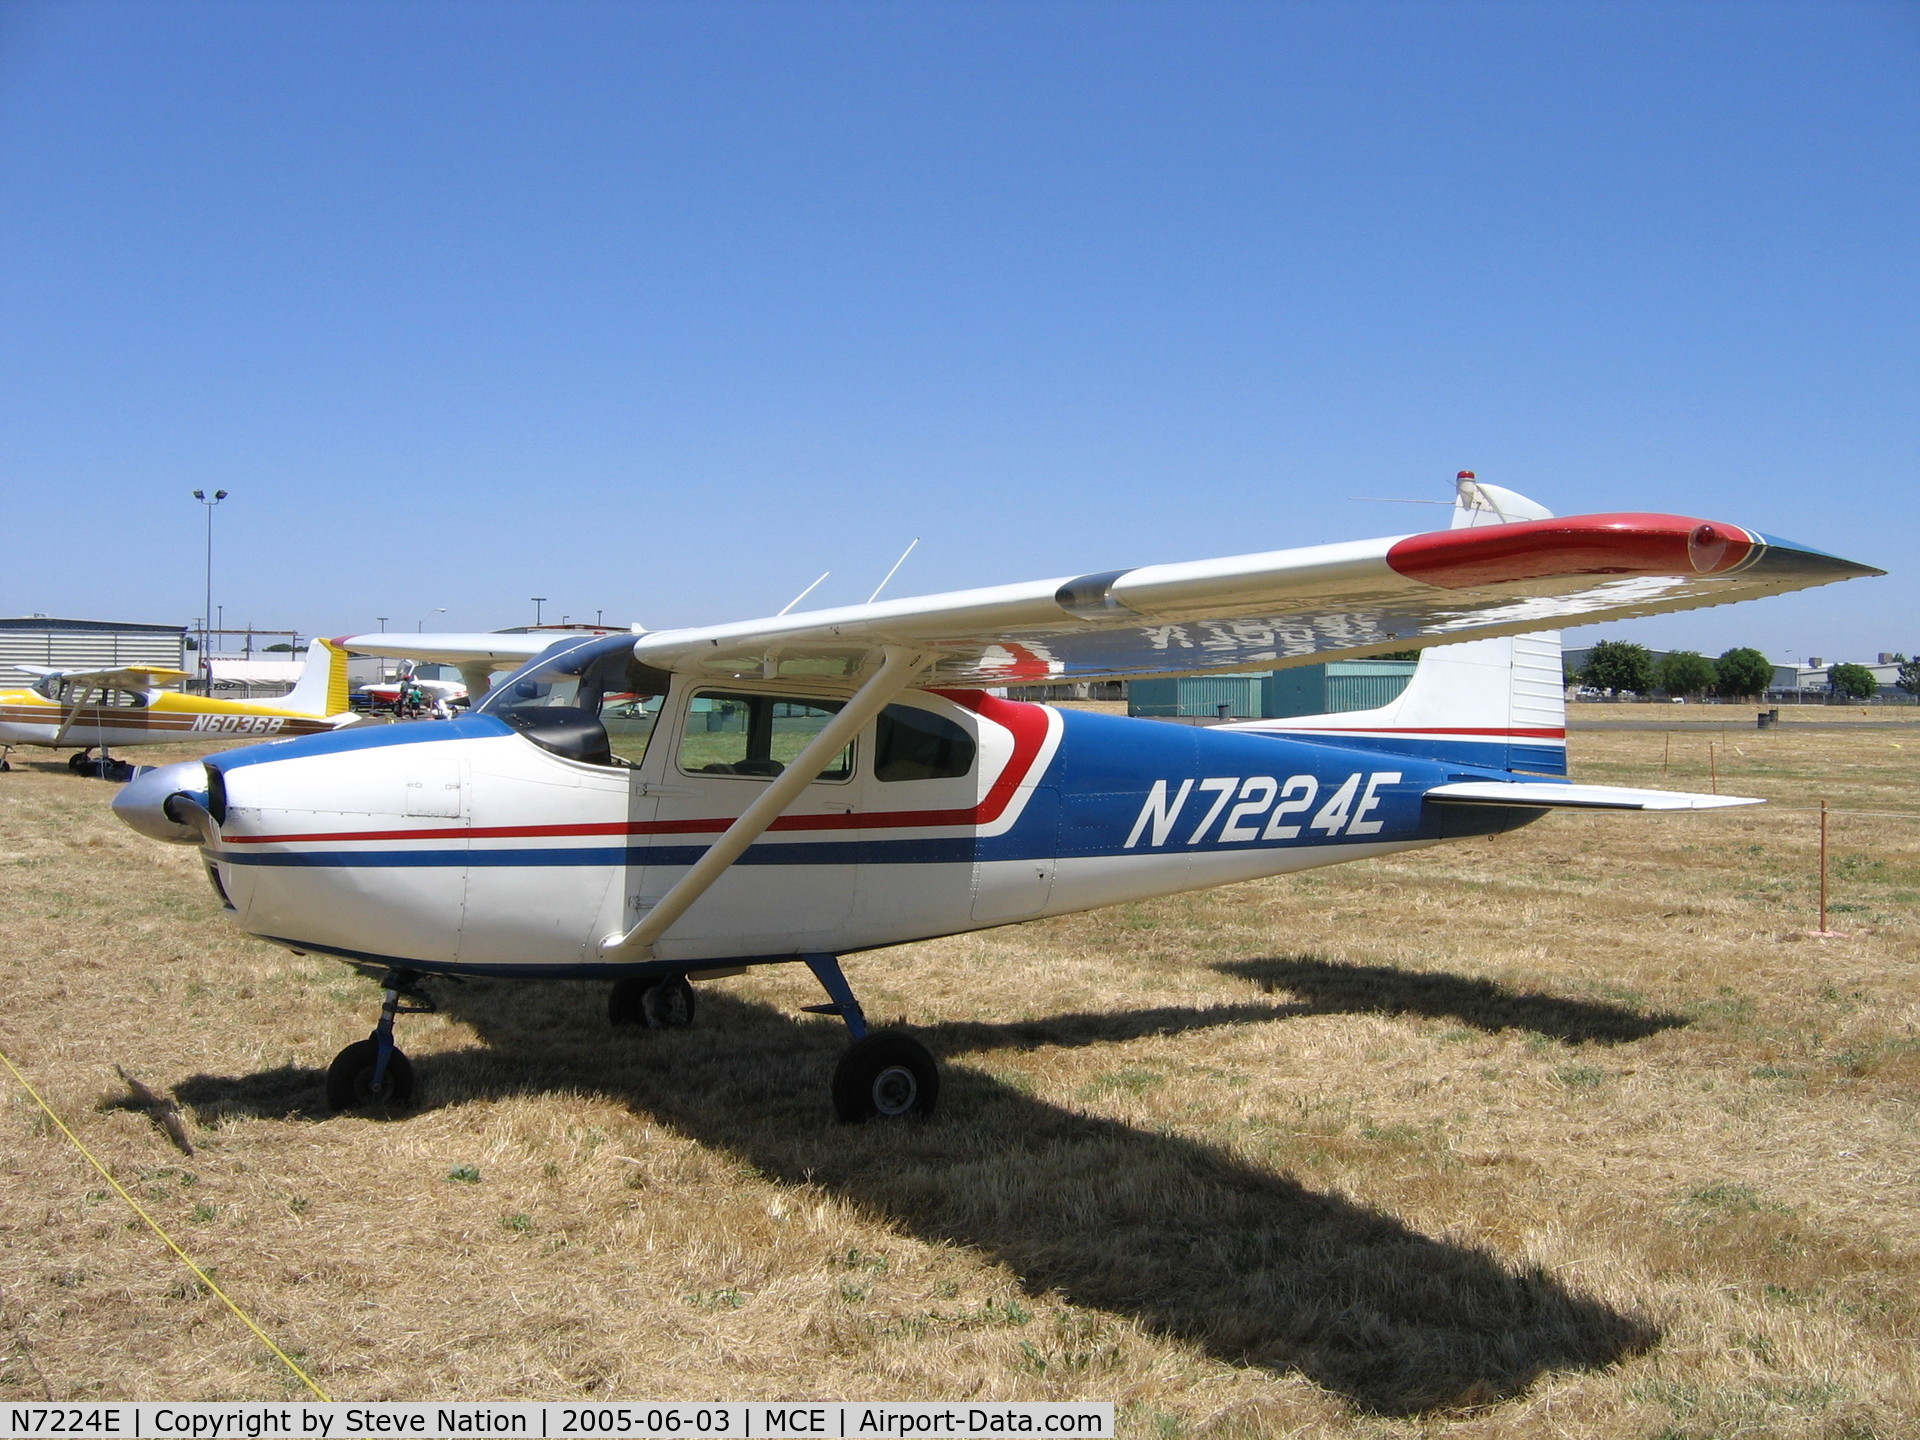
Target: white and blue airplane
[(666, 807)]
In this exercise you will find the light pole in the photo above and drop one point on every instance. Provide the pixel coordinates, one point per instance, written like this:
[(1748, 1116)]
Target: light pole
[(538, 601), (421, 623), (206, 615), (383, 623)]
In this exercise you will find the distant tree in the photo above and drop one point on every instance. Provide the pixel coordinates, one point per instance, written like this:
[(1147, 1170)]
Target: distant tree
[(1909, 679), (1617, 665), (1856, 682), (283, 646), (1742, 672), (1684, 672)]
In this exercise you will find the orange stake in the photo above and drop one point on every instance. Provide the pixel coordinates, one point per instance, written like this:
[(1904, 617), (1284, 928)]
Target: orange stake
[(1823, 867)]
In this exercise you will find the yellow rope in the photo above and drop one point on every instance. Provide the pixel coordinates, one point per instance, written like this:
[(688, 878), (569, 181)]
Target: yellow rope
[(154, 1225)]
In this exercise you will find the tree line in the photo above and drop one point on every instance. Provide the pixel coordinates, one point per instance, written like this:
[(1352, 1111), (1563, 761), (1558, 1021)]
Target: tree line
[(1620, 666)]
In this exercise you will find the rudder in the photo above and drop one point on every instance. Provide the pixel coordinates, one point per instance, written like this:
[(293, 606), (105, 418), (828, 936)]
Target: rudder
[(322, 687)]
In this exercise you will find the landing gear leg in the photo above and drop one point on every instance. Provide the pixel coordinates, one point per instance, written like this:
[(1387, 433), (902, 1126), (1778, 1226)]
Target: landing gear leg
[(5, 764), (373, 1071), (885, 1073)]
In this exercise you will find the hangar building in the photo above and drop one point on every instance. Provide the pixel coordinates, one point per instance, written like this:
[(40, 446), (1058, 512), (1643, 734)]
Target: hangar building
[(86, 644)]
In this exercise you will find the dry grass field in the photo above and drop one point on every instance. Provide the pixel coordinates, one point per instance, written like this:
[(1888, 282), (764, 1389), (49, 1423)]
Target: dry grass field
[(1573, 1132)]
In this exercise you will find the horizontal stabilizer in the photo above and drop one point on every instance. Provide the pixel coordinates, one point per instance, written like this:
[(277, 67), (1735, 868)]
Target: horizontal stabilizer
[(1545, 795)]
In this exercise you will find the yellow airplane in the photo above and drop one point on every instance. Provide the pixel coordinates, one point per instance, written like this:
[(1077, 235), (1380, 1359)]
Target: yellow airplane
[(127, 705)]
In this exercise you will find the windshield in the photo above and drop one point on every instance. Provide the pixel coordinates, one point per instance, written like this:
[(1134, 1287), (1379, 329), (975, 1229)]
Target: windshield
[(597, 676)]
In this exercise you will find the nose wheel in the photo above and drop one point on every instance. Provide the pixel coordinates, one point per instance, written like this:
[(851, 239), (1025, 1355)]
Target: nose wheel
[(355, 1081), (373, 1073), (885, 1075)]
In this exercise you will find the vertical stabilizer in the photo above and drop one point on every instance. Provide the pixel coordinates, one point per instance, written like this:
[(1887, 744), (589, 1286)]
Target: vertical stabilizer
[(1498, 703), (1476, 504), (322, 688)]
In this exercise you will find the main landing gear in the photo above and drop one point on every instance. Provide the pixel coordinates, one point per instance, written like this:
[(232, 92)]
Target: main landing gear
[(885, 1074), (372, 1072), (102, 767), (659, 1002)]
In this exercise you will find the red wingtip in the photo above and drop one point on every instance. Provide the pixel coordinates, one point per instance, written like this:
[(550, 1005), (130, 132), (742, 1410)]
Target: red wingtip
[(1576, 545)]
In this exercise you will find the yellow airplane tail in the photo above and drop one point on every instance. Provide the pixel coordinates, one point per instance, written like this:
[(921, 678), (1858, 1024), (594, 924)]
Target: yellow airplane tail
[(322, 689)]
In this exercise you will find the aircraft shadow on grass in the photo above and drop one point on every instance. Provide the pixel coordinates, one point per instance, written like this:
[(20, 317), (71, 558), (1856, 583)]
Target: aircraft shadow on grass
[(1323, 987), (1188, 1240)]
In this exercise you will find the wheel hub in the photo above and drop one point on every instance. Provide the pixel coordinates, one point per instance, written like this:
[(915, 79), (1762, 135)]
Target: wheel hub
[(894, 1090)]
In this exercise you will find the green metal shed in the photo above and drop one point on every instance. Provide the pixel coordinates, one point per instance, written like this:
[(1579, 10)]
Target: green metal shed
[(1330, 688)]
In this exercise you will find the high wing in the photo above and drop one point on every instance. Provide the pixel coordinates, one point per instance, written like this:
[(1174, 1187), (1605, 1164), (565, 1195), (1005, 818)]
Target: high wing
[(124, 677), (1277, 608), (499, 652)]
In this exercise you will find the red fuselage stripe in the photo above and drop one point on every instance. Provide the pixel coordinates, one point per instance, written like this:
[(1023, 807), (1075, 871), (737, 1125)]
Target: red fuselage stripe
[(1423, 730)]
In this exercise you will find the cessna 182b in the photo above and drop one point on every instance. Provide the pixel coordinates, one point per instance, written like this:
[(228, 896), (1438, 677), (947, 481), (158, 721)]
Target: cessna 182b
[(128, 706), (675, 805)]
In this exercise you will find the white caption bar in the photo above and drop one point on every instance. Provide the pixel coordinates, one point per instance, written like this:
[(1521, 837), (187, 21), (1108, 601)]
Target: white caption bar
[(816, 1420)]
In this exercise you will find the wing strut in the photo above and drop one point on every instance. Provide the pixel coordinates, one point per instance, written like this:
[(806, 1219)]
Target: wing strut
[(896, 672), (60, 737)]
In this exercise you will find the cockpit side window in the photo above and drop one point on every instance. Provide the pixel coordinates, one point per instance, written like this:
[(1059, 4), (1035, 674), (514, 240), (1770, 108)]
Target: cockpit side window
[(728, 733), (70, 692)]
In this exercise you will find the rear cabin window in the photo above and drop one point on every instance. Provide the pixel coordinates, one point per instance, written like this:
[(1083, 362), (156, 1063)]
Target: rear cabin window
[(912, 744), (755, 735)]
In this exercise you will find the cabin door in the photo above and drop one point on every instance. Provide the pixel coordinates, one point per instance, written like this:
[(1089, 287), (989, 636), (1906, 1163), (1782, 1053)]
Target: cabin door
[(793, 889)]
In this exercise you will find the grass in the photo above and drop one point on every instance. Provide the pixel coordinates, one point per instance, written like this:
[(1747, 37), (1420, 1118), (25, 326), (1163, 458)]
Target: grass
[(1572, 1132)]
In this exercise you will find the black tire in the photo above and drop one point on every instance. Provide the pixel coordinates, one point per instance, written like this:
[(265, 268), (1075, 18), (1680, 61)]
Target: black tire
[(79, 762), (623, 1001), (656, 1002), (888, 1075), (350, 1079), (667, 1004)]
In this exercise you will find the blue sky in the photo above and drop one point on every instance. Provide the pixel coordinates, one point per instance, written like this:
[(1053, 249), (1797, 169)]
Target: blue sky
[(661, 310)]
